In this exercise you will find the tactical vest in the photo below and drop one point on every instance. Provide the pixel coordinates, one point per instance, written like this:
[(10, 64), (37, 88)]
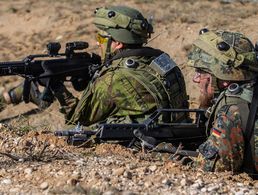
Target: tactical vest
[(162, 78), (242, 97)]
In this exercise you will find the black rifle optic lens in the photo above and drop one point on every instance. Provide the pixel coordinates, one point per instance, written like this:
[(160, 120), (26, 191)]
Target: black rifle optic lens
[(223, 46), (203, 30), (53, 48), (77, 45)]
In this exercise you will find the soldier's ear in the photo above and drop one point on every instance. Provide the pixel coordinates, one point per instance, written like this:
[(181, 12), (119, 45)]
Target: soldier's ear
[(117, 45), (223, 84)]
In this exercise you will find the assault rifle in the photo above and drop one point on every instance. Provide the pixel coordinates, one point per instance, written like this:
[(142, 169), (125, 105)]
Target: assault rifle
[(76, 67), (151, 131)]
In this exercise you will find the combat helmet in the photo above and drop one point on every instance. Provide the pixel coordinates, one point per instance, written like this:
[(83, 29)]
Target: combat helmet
[(226, 55), (124, 24)]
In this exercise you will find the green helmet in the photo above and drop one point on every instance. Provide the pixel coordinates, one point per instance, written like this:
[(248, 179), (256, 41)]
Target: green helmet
[(124, 24), (226, 55)]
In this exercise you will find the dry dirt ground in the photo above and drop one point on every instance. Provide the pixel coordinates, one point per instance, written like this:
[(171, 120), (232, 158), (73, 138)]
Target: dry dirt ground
[(44, 164)]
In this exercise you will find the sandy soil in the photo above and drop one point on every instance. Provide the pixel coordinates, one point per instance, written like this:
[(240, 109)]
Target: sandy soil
[(27, 25)]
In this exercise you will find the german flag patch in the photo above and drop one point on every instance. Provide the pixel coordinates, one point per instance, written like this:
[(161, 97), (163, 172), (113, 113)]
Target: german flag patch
[(216, 132)]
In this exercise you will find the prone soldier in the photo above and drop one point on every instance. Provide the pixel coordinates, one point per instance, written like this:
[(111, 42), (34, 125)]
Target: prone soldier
[(134, 80), (225, 62)]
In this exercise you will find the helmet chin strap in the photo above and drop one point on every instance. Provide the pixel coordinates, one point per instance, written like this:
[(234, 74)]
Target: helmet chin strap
[(215, 85), (108, 51)]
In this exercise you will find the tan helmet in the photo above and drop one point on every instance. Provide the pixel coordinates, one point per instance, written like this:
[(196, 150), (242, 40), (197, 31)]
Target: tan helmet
[(226, 55), (124, 24)]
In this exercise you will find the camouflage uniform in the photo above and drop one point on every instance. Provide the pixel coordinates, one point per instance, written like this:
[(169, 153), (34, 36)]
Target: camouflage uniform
[(223, 54), (14, 96), (128, 88)]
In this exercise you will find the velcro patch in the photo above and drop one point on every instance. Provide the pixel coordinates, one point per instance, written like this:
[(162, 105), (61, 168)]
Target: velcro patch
[(216, 132)]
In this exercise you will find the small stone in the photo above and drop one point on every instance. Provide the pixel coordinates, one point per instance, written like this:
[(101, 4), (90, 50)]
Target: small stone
[(28, 171), (128, 193), (166, 182), (141, 171), (183, 182), (44, 186), (21, 160), (109, 193), (106, 179), (203, 190), (96, 175), (108, 163), (240, 192), (152, 168), (118, 171), (240, 184), (115, 180), (195, 186), (80, 162), (61, 173), (213, 188), (194, 192), (6, 181), (14, 190), (76, 175), (128, 175), (252, 192), (72, 181), (148, 184), (131, 166), (198, 174)]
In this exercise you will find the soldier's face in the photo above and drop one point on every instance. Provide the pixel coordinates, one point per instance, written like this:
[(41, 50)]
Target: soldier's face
[(204, 81), (102, 43)]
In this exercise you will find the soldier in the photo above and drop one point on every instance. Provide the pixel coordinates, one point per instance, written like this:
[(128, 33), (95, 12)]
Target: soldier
[(14, 96), (134, 80), (223, 62)]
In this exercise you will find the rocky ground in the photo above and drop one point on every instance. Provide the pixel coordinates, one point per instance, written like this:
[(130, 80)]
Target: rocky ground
[(33, 161), (37, 162)]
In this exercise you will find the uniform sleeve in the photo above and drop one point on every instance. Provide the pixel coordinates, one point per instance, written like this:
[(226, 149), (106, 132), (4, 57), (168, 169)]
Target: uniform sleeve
[(224, 149), (95, 104), (114, 94)]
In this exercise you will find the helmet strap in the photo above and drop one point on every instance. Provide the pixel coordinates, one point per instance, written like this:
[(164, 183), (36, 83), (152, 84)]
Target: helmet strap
[(215, 85), (108, 51)]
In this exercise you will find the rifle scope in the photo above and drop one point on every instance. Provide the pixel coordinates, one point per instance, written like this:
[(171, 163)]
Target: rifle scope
[(53, 48)]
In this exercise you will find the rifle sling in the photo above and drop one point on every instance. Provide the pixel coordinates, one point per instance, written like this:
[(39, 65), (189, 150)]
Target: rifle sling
[(249, 147)]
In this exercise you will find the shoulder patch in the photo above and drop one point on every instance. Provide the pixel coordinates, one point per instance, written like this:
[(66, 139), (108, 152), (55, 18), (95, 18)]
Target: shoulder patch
[(163, 64)]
